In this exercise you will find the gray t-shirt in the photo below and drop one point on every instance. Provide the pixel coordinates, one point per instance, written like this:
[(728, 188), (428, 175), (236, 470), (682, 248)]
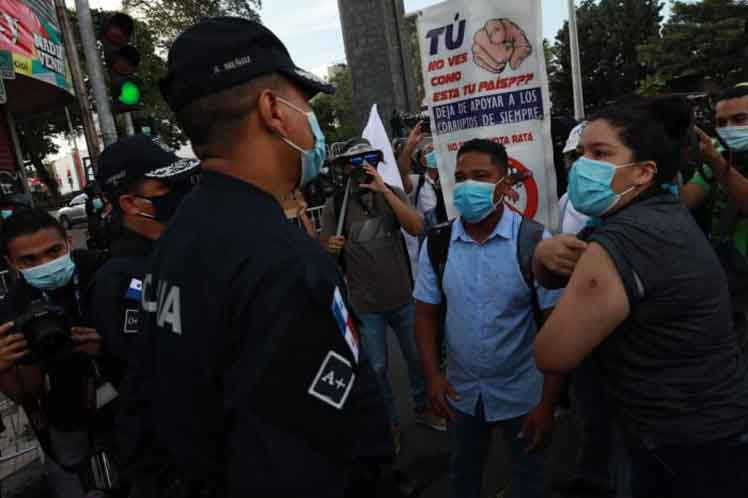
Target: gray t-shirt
[(673, 368), (375, 258)]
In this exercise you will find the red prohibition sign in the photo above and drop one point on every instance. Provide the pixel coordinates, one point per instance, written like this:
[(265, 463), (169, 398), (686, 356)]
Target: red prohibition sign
[(531, 190)]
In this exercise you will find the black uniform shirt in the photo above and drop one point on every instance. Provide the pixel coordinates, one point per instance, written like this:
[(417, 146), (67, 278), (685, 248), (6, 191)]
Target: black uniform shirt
[(115, 299), (251, 374)]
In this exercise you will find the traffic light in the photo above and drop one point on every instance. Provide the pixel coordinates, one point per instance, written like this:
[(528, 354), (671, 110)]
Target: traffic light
[(122, 61)]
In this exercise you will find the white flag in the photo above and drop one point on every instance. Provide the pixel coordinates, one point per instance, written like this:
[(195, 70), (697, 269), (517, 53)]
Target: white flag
[(377, 136)]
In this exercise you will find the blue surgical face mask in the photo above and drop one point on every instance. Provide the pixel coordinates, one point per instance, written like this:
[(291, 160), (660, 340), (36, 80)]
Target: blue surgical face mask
[(97, 204), (736, 137), (312, 159), (431, 160), (474, 200), (49, 276), (6, 213), (590, 189)]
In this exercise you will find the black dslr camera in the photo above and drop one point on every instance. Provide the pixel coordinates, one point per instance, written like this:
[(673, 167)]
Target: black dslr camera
[(47, 330)]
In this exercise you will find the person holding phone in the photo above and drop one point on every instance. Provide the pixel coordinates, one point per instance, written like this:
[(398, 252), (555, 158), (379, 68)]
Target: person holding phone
[(719, 191), (374, 258)]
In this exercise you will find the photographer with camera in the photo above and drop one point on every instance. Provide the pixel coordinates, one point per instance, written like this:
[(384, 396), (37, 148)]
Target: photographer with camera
[(377, 268), (48, 350)]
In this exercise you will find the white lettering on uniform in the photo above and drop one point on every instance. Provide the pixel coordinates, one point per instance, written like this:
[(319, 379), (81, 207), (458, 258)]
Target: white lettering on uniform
[(168, 306), (169, 309), (148, 306), (329, 378)]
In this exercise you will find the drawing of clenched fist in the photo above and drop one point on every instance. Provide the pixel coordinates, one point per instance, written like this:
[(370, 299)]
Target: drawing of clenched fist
[(500, 42)]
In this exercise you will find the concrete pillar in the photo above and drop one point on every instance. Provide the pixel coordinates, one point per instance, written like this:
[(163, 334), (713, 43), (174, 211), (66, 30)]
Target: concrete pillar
[(376, 48)]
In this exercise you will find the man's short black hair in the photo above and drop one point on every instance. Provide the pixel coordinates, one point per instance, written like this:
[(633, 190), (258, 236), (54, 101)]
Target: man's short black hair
[(495, 151), (28, 222), (212, 121), (735, 92)]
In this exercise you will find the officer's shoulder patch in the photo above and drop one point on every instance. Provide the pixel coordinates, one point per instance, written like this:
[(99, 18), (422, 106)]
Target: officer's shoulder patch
[(132, 321), (334, 380), (345, 322), (134, 290)]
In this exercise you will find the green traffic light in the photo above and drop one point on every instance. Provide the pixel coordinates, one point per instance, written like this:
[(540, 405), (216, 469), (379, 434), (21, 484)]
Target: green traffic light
[(129, 93)]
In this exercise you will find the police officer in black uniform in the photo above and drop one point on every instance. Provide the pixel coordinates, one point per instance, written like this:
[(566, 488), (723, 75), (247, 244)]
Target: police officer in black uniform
[(257, 385), (145, 184)]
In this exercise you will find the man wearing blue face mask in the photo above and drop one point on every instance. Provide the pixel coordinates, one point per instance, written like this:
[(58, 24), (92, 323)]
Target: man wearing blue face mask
[(493, 308), (720, 188), (37, 247), (256, 385)]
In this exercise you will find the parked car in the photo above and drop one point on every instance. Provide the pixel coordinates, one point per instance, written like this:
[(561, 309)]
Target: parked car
[(74, 212)]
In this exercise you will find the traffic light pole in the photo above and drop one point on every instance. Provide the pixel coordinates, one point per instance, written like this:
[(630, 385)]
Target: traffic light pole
[(129, 126), (68, 36), (95, 72)]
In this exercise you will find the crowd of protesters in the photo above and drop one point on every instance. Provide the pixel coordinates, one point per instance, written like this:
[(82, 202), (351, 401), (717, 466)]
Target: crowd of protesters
[(213, 349)]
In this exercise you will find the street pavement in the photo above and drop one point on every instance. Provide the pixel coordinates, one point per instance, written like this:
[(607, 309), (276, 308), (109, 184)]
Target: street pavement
[(425, 452)]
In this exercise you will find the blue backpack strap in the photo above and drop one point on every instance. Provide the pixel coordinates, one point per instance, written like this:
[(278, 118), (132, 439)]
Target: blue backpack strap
[(530, 235)]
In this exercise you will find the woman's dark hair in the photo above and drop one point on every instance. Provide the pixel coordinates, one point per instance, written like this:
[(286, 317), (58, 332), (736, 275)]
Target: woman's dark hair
[(27, 222), (655, 129)]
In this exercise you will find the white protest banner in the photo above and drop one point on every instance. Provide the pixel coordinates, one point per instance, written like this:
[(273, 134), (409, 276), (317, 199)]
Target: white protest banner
[(485, 77), (377, 136)]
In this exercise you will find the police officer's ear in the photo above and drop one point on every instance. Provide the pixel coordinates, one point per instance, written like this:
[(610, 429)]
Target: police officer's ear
[(132, 205), (274, 115)]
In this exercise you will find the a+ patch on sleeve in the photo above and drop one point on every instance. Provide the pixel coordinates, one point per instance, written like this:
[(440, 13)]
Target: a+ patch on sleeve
[(334, 380)]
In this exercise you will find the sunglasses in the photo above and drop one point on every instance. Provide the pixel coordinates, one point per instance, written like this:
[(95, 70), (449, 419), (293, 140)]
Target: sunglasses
[(373, 158)]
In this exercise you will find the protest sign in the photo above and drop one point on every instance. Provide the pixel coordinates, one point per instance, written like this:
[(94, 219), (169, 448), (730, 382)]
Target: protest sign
[(485, 77)]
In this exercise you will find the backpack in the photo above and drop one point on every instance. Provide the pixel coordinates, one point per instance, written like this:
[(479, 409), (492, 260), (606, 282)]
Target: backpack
[(438, 214), (530, 234)]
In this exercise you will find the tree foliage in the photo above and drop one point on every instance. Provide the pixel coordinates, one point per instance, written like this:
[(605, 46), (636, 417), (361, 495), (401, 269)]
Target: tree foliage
[(610, 32), (36, 136), (335, 112), (37, 132), (168, 18), (704, 39)]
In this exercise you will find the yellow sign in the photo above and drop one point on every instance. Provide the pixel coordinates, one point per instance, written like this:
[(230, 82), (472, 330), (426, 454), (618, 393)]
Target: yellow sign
[(22, 64)]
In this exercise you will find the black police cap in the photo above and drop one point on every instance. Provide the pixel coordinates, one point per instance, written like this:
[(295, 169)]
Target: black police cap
[(223, 52), (139, 157)]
